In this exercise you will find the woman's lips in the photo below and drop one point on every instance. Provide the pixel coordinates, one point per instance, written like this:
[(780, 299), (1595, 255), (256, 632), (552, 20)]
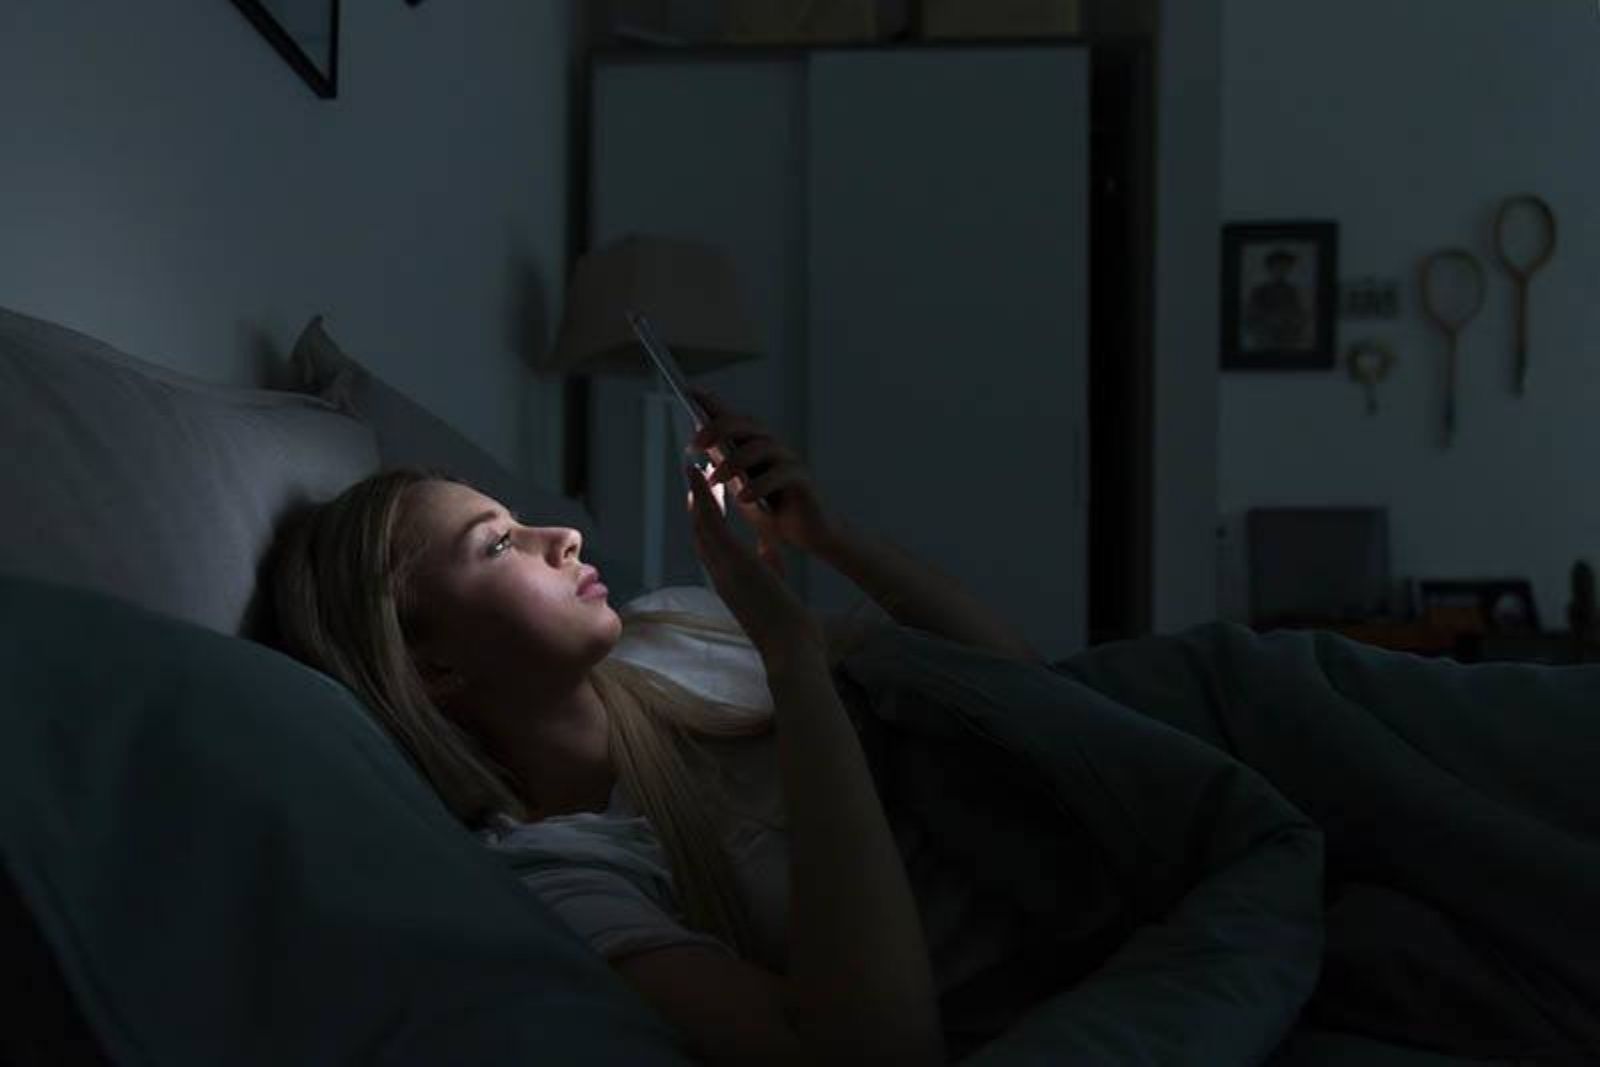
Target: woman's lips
[(589, 586)]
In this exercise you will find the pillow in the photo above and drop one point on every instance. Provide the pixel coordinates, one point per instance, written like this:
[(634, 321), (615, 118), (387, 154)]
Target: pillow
[(718, 666), (124, 477), (409, 434), (231, 863)]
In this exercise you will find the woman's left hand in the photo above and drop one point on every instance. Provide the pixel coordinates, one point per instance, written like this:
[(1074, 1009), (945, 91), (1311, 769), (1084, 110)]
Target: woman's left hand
[(758, 466)]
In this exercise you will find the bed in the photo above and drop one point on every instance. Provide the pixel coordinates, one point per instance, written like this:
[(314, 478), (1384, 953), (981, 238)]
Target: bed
[(212, 855)]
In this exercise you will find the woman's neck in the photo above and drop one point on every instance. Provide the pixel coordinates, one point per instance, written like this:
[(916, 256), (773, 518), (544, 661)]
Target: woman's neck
[(559, 751)]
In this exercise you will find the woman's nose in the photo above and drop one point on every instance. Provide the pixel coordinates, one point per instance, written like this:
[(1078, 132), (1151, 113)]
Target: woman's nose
[(567, 542)]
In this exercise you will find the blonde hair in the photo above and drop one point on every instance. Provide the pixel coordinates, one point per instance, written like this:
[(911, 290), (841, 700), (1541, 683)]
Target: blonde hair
[(343, 602)]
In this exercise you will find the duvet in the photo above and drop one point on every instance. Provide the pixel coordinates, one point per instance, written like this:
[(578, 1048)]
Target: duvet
[(1220, 841)]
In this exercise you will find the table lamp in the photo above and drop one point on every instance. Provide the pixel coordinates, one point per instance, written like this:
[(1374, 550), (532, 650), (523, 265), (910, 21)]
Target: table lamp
[(689, 291)]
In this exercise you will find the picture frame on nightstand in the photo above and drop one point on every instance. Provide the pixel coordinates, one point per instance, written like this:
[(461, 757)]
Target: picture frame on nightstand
[(1489, 606)]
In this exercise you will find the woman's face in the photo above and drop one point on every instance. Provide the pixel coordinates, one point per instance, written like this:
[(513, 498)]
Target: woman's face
[(496, 599)]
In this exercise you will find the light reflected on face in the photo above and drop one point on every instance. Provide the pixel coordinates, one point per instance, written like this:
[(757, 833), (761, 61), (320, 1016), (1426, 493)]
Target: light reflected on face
[(498, 595)]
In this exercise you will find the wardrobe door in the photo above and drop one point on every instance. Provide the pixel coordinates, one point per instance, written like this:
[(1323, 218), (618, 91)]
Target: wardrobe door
[(947, 318), (709, 151)]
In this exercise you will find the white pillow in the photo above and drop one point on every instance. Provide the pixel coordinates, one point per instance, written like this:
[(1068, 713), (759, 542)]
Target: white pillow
[(134, 480), (717, 666)]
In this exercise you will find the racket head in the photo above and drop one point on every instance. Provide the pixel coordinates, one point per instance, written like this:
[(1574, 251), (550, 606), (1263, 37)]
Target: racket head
[(1453, 287), (1525, 267)]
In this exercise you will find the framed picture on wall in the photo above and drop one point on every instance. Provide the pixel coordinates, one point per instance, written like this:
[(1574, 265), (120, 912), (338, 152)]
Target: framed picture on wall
[(1279, 295)]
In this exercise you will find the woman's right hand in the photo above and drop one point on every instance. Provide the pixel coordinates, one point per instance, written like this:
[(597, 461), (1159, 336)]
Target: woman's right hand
[(777, 623)]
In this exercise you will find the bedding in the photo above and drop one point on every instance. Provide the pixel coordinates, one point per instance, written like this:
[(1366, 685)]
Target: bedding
[(1172, 897), (231, 863), (122, 476), (1176, 897), (1462, 814), (107, 459), (1182, 894)]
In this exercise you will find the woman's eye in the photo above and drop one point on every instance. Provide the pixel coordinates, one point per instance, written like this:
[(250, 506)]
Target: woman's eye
[(499, 543)]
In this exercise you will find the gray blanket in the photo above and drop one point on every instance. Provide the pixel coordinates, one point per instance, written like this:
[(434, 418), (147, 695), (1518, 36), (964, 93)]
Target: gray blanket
[(1218, 839)]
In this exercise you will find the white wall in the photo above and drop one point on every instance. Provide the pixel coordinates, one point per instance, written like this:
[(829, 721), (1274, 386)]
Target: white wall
[(169, 185), (1188, 54), (1407, 122)]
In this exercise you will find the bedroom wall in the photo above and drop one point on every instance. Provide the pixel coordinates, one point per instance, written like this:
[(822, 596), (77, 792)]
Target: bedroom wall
[(170, 186), (1407, 123)]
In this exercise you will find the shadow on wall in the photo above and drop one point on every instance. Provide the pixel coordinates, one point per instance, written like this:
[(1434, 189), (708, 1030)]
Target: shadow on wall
[(267, 358), (527, 312), (529, 333)]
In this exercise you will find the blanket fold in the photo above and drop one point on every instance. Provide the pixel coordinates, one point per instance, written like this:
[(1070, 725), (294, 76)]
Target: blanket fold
[(1262, 832), (1213, 877), (1461, 809)]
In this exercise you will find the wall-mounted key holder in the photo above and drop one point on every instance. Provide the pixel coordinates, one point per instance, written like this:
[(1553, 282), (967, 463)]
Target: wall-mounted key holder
[(1370, 363)]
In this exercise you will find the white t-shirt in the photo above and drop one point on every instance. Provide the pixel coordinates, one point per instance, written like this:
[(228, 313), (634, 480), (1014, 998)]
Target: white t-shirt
[(606, 876)]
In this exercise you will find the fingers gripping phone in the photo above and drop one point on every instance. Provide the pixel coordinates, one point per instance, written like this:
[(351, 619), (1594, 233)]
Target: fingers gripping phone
[(661, 356)]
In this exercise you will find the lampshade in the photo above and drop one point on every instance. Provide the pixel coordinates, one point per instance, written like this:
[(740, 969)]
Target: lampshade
[(686, 289)]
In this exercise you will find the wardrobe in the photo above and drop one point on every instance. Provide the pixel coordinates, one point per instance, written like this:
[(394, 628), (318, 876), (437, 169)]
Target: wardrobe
[(910, 228)]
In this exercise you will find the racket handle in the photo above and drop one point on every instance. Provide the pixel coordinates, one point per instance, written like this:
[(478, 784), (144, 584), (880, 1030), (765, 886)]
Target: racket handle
[(1450, 397), (1521, 383)]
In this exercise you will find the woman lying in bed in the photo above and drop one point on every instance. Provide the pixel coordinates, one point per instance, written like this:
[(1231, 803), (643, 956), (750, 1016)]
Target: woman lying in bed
[(484, 646), (755, 892)]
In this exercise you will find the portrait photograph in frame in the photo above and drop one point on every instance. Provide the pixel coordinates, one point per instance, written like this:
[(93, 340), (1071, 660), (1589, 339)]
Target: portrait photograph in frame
[(1279, 295)]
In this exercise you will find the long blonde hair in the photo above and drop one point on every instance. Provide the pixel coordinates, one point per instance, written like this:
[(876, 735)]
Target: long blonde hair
[(342, 599)]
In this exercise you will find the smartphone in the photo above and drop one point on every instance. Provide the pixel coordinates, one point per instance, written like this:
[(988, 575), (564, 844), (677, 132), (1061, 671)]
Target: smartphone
[(661, 356)]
